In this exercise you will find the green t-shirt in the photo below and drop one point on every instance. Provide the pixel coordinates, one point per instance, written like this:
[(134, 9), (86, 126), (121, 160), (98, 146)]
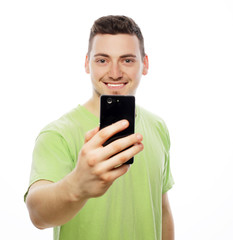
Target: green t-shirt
[(132, 207)]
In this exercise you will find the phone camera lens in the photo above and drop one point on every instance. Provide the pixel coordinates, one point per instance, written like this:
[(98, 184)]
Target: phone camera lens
[(109, 100)]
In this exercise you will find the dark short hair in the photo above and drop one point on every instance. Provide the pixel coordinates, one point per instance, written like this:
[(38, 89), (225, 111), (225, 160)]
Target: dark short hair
[(115, 24)]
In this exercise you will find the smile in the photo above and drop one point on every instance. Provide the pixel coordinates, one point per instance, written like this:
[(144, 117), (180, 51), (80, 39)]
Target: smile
[(115, 85)]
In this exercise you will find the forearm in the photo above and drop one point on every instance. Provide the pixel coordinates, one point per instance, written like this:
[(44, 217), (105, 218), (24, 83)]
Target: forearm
[(53, 204), (167, 219), (167, 225)]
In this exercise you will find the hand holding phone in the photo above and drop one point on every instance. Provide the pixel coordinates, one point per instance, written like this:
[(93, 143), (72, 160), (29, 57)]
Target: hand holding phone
[(114, 108)]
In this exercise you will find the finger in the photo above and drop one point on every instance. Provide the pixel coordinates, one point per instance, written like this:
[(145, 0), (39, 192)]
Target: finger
[(125, 155), (115, 161), (104, 134), (90, 134), (121, 144), (112, 175)]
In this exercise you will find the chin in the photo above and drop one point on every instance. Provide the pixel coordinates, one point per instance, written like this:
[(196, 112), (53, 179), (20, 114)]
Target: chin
[(115, 92)]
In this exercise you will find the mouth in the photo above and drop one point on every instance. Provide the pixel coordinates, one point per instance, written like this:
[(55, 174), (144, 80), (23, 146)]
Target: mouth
[(115, 86)]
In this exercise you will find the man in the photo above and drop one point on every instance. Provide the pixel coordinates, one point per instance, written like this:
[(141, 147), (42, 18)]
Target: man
[(75, 185)]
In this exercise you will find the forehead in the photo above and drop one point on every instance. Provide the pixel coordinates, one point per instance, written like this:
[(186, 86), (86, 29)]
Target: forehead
[(115, 45)]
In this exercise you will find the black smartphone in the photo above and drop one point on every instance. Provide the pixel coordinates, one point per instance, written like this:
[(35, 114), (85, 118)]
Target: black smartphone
[(114, 108)]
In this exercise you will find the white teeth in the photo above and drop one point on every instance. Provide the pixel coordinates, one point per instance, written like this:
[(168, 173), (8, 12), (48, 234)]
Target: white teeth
[(115, 85)]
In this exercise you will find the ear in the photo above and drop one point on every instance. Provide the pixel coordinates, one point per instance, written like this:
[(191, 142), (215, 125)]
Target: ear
[(87, 69), (145, 65)]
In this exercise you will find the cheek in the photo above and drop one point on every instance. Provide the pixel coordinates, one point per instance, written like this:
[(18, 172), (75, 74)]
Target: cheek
[(136, 71), (135, 74), (97, 72)]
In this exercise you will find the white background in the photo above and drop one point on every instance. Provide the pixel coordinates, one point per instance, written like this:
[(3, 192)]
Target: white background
[(190, 47)]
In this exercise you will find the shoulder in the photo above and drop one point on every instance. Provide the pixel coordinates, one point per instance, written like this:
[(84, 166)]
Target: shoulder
[(65, 122), (153, 122), (152, 118), (67, 132), (69, 127), (73, 125)]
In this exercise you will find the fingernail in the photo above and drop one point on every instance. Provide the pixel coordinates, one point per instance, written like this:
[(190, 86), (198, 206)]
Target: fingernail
[(124, 123), (139, 136)]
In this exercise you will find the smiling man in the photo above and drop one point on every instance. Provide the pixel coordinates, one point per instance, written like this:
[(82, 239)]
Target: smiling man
[(116, 65), (75, 185)]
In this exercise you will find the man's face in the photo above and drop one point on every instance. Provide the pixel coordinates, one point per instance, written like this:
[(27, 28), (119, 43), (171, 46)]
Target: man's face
[(115, 64)]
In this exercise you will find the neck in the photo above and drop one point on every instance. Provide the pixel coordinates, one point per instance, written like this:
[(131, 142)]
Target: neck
[(93, 105)]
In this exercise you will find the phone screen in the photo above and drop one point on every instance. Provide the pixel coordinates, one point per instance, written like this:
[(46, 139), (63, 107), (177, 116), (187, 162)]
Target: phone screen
[(114, 108)]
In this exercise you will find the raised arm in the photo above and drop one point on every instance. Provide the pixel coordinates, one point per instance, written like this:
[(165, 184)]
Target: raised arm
[(54, 204)]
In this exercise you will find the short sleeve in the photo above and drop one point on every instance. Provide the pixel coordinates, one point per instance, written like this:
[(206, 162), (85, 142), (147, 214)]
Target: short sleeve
[(168, 180), (51, 158), (167, 175)]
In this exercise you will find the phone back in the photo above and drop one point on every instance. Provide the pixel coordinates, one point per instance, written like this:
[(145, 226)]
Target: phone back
[(114, 108)]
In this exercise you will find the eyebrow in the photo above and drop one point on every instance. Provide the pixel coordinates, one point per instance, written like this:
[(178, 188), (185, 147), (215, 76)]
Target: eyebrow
[(122, 56), (128, 55)]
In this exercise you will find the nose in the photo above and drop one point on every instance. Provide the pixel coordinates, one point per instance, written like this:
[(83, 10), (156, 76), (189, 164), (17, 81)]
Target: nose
[(115, 71)]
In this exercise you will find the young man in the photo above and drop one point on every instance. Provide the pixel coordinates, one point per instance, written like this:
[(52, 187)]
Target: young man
[(75, 185)]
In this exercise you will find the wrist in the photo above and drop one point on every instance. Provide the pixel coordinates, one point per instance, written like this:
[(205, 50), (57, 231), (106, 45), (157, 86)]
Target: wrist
[(70, 187)]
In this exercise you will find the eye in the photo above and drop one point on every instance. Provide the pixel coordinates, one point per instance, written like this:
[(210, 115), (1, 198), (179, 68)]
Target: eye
[(129, 61), (101, 61)]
